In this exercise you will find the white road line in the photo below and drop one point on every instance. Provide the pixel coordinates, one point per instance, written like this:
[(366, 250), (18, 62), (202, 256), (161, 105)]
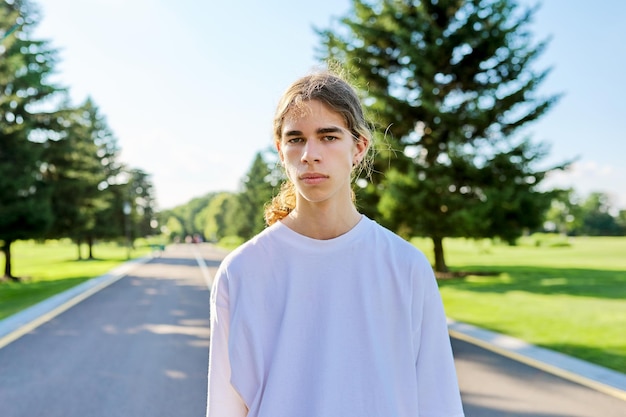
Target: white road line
[(208, 279)]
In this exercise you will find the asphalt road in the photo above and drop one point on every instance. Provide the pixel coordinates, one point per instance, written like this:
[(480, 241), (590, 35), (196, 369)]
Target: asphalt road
[(139, 348), (495, 386)]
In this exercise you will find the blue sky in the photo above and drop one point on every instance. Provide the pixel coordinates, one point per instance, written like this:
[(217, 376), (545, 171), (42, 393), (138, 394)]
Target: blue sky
[(189, 87)]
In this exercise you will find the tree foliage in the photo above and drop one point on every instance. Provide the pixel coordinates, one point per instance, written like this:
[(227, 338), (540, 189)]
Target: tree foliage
[(25, 65), (259, 185), (594, 215), (184, 220), (143, 202), (564, 214), (596, 218), (74, 171), (60, 175), (219, 216), (450, 84)]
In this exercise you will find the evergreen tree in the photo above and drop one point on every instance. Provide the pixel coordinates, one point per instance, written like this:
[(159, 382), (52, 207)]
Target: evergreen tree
[(259, 186), (73, 170), (130, 209), (113, 176), (25, 65), (143, 202), (449, 84), (80, 167)]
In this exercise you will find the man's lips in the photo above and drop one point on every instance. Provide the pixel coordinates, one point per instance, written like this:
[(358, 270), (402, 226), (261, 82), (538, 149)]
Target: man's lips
[(312, 178)]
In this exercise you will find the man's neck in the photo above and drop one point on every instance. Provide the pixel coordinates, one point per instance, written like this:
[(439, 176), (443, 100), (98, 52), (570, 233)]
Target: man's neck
[(322, 223)]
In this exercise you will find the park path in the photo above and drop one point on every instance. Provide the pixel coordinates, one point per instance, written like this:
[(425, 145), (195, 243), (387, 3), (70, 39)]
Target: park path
[(139, 348)]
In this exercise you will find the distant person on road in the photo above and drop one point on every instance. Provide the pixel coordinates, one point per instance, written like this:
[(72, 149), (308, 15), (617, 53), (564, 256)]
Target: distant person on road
[(326, 313)]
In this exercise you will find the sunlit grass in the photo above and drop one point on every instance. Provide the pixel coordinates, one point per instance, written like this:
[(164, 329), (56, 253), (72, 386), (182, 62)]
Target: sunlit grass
[(53, 267), (564, 294)]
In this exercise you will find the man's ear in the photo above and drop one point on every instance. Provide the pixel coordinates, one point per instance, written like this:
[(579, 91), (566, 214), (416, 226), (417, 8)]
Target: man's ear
[(361, 147)]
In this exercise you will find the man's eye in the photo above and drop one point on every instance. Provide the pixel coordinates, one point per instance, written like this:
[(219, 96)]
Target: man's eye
[(329, 138), (295, 140)]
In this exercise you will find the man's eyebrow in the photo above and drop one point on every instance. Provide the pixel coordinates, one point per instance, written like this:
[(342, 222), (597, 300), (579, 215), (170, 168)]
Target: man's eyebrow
[(332, 129), (293, 133), (320, 131)]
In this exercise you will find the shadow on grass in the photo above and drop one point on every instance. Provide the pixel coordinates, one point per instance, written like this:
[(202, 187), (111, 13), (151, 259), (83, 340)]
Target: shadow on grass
[(540, 280)]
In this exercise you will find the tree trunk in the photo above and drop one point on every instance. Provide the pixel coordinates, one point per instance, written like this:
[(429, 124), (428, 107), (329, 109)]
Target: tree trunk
[(80, 256), (440, 260), (90, 246), (6, 249)]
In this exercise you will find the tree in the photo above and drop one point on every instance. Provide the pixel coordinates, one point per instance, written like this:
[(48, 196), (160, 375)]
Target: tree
[(25, 65), (621, 220), (259, 185), (74, 172), (450, 84), (80, 166), (564, 215), (218, 216), (187, 219), (113, 179), (188, 213), (143, 200), (596, 218), (130, 207), (174, 229)]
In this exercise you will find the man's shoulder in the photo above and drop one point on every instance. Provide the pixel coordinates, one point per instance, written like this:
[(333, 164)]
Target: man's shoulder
[(392, 240), (253, 249)]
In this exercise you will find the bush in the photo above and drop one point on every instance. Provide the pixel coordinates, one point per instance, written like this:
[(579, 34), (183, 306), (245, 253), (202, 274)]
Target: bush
[(230, 242)]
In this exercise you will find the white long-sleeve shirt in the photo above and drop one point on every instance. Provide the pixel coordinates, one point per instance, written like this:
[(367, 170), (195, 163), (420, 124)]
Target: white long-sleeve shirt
[(347, 327)]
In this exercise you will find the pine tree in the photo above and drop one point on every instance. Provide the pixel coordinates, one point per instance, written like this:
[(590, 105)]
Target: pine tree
[(109, 172), (143, 202), (79, 166), (450, 84), (73, 172), (259, 185), (25, 65)]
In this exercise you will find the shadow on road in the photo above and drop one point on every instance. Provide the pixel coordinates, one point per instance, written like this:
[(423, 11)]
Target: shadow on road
[(495, 386), (165, 260), (137, 348)]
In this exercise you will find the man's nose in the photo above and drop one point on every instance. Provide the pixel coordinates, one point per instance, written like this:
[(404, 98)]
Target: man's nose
[(311, 152)]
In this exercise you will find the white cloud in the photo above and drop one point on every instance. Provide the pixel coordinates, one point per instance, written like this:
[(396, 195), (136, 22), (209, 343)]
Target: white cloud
[(591, 176)]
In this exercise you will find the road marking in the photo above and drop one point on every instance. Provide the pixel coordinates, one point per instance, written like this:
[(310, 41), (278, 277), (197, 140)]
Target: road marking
[(208, 279)]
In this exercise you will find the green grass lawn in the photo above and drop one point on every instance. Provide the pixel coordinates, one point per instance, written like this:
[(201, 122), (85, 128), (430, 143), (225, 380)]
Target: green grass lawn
[(563, 294), (50, 268)]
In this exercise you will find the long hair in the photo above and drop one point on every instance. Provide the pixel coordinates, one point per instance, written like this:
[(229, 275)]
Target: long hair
[(340, 97)]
